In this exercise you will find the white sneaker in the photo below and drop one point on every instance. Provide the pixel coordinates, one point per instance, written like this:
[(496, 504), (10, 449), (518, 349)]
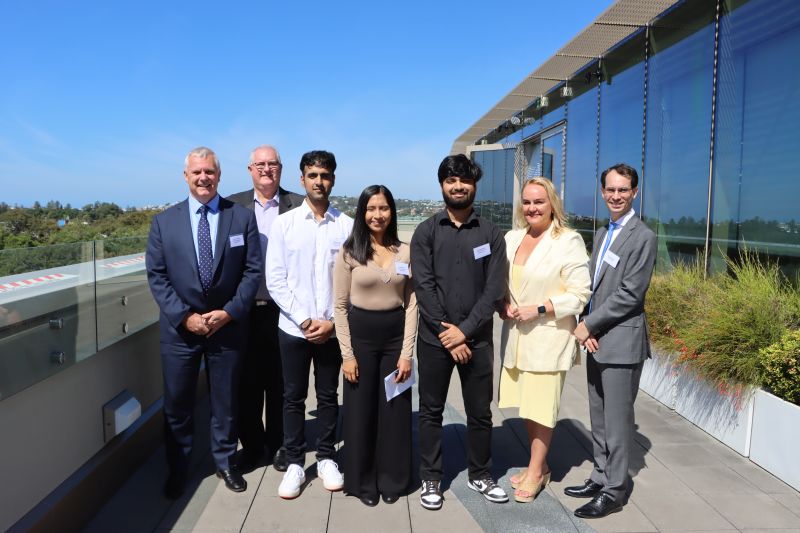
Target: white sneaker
[(292, 482), (490, 490), (328, 472)]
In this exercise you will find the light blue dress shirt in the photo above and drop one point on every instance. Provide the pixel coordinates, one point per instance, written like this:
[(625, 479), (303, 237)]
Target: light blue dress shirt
[(213, 222)]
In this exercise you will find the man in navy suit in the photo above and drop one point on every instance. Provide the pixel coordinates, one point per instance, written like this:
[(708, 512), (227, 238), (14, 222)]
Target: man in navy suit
[(204, 266)]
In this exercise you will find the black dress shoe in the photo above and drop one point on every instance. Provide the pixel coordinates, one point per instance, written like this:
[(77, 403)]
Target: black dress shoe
[(589, 489), (369, 501), (233, 480), (390, 498), (280, 462), (601, 505)]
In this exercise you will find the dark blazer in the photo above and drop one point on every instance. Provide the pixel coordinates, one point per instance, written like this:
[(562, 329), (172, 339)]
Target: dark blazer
[(287, 199), (174, 279), (617, 317)]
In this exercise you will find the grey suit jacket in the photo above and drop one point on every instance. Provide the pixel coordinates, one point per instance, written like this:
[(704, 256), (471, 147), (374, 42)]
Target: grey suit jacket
[(617, 316), (287, 199)]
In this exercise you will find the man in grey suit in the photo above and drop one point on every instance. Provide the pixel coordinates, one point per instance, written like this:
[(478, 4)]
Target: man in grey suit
[(614, 331), (262, 374)]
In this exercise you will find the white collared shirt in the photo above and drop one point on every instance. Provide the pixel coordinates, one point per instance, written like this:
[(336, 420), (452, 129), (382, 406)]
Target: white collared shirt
[(299, 268), (620, 224), (266, 214)]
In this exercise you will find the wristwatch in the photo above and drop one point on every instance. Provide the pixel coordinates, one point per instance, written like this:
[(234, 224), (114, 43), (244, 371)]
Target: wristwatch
[(542, 311), (305, 324)]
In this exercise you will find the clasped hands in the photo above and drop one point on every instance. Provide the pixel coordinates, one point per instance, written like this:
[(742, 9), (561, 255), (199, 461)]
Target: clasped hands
[(454, 341), (208, 323), (585, 338)]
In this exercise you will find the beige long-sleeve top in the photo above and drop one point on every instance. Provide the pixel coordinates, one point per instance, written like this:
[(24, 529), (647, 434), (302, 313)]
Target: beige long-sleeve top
[(376, 289)]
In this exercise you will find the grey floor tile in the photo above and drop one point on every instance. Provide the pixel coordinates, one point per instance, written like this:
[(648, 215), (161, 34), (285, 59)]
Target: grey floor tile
[(752, 511), (350, 515), (790, 501), (761, 478), (273, 514), (714, 479), (781, 530), (657, 479), (680, 511)]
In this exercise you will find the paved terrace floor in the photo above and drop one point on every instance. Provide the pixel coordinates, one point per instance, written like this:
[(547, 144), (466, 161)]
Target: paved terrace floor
[(684, 480)]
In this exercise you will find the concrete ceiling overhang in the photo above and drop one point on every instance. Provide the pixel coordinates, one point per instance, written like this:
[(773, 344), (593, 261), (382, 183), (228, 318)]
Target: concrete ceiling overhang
[(615, 24)]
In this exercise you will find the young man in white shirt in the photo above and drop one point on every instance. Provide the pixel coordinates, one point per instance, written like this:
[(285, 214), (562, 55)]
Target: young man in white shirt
[(303, 244)]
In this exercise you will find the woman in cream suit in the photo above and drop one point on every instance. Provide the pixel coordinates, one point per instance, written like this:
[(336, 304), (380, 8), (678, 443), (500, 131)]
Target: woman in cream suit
[(549, 284)]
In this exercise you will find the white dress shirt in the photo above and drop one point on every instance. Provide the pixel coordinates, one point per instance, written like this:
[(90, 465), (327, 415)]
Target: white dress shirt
[(299, 269), (621, 221), (266, 213)]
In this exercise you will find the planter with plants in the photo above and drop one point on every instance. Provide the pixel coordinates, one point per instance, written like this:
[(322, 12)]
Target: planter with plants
[(719, 329)]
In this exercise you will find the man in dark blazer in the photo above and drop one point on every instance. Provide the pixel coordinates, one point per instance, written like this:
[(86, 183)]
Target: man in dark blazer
[(614, 332), (262, 373), (203, 265)]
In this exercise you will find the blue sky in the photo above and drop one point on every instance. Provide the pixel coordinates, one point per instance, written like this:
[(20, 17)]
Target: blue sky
[(102, 100)]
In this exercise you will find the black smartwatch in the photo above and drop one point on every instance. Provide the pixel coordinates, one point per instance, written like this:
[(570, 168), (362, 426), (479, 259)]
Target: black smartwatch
[(542, 311)]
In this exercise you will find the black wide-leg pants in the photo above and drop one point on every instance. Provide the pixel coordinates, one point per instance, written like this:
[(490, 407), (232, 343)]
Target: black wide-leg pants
[(377, 433)]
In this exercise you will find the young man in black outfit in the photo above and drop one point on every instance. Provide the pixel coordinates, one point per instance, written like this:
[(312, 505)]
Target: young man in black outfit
[(459, 265)]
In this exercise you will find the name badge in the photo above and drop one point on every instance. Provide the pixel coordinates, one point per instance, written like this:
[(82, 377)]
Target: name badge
[(236, 240), (611, 258), (401, 269), (481, 251)]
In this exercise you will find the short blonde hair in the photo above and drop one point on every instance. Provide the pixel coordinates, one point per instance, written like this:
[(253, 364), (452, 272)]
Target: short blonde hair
[(559, 218)]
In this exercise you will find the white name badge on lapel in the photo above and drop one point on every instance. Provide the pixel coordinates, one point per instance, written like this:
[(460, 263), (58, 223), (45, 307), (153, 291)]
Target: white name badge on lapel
[(481, 251), (401, 269), (611, 258), (236, 240)]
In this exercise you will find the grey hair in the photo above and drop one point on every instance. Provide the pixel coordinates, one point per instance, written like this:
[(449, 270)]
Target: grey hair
[(202, 152), (265, 147)]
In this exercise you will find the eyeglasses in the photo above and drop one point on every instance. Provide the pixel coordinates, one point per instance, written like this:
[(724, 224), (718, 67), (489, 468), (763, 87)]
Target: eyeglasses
[(261, 165), (622, 191)]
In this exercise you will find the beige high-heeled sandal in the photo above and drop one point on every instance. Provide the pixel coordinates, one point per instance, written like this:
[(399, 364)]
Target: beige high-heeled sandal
[(530, 489)]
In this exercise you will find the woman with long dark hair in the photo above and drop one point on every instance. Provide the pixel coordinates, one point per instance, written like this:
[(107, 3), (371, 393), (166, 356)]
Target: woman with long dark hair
[(375, 313)]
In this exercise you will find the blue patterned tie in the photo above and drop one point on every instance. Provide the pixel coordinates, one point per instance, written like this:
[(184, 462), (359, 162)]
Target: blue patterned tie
[(205, 257)]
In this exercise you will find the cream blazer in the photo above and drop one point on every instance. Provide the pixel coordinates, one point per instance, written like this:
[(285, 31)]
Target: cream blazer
[(557, 270)]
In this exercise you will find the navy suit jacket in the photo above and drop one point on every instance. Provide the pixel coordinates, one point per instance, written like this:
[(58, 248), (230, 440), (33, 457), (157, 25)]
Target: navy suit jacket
[(175, 281)]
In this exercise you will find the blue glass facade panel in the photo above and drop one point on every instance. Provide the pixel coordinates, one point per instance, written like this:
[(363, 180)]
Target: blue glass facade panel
[(580, 187), (758, 141), (675, 180)]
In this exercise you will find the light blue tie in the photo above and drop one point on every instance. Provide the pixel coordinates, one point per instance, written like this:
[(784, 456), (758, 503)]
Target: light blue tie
[(611, 227), (205, 259)]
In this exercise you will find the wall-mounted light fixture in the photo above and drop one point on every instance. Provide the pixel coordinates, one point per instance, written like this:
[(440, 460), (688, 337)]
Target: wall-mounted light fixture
[(566, 91), (544, 101)]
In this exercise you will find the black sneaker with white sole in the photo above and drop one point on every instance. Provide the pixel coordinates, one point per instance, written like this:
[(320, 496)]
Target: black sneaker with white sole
[(490, 490), (431, 495)]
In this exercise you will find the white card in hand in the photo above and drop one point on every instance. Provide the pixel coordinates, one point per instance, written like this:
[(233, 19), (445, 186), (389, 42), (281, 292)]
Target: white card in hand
[(394, 389)]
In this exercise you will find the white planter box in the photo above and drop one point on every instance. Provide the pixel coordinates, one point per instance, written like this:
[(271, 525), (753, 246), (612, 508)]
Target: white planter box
[(659, 378), (776, 433), (727, 419)]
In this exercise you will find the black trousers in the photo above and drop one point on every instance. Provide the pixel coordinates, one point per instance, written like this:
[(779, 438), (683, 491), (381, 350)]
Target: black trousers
[(435, 369), (297, 355), (262, 378), (180, 364), (377, 433)]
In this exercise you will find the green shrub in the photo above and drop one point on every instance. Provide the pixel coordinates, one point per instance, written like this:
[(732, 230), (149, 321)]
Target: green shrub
[(673, 301), (780, 364), (743, 312)]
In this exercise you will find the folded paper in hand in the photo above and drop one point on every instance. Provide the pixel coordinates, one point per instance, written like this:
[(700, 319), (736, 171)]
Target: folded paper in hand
[(393, 389)]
